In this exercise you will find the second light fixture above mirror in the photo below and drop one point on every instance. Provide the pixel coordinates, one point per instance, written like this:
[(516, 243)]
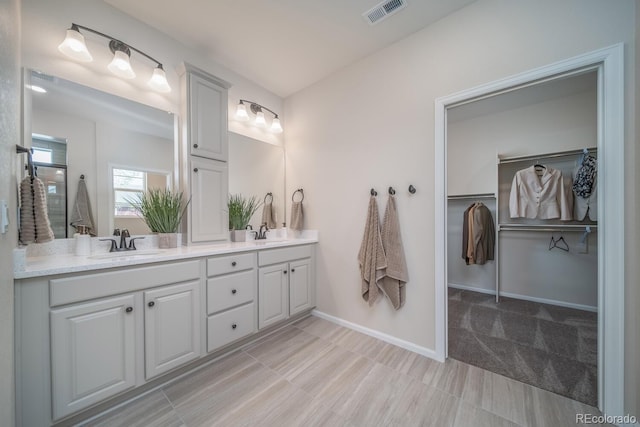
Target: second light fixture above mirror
[(242, 115)]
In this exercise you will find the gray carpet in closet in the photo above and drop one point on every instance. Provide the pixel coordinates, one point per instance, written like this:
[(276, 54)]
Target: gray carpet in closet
[(550, 347)]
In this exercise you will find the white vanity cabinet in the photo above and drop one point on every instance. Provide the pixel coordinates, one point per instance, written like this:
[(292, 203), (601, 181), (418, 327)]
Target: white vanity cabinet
[(231, 299), (285, 283), (93, 352), (208, 214), (96, 335), (206, 100), (204, 154), (171, 327)]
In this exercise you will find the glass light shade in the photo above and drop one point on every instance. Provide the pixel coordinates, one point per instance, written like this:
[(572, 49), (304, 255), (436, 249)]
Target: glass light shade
[(120, 65), (158, 81), (74, 47), (260, 121), (275, 126), (241, 113)]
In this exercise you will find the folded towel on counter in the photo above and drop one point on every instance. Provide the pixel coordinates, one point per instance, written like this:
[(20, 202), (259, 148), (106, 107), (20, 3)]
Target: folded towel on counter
[(396, 274), (268, 215), (371, 256), (297, 216), (81, 213), (34, 218)]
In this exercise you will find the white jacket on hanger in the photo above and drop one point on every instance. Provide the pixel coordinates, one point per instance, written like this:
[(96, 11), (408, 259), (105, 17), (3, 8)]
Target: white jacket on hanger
[(542, 197)]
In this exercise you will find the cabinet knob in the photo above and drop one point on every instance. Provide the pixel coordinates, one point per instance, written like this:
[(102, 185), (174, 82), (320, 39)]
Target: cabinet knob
[(195, 169), (151, 304), (284, 272), (293, 270), (195, 145), (128, 309), (234, 326), (233, 264), (233, 291)]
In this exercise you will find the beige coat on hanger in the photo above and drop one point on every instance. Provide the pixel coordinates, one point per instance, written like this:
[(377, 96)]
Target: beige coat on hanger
[(542, 197)]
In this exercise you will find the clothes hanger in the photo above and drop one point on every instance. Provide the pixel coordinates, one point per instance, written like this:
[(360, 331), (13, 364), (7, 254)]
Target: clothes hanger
[(559, 243)]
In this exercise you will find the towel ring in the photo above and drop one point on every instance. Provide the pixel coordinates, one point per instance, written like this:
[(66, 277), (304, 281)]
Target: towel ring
[(374, 192), (299, 190), (392, 191), (269, 194)]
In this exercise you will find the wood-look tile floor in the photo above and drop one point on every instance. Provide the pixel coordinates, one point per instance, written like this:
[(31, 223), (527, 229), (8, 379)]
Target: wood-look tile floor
[(316, 373)]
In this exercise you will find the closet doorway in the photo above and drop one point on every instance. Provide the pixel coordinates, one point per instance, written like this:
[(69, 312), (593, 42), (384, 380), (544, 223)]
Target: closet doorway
[(597, 75), (542, 327)]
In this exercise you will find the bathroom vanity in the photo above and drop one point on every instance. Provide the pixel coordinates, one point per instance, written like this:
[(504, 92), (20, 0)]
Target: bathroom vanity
[(94, 331)]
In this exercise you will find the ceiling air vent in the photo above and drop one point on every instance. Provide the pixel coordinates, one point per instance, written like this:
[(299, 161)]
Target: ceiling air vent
[(384, 10)]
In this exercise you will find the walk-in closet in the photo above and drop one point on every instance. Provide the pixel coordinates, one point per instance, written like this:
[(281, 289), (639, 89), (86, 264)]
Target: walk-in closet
[(522, 232)]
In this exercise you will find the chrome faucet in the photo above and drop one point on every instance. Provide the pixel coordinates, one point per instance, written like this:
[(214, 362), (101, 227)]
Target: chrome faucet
[(123, 241), (262, 233)]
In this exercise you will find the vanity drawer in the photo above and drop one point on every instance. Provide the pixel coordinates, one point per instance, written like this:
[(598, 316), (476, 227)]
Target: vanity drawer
[(277, 256), (230, 263), (230, 326), (67, 290), (230, 290)]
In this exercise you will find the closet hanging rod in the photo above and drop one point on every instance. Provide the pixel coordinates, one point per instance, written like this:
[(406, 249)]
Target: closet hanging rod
[(545, 156), (471, 196), (547, 227)]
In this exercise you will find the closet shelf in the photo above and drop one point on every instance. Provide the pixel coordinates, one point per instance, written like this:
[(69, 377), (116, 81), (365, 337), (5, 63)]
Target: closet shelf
[(545, 156)]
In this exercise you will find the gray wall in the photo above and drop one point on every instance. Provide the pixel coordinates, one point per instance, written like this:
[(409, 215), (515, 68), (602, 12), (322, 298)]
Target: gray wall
[(9, 136)]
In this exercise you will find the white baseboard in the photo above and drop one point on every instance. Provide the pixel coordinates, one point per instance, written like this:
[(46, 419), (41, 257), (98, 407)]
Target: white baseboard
[(525, 297), (379, 335)]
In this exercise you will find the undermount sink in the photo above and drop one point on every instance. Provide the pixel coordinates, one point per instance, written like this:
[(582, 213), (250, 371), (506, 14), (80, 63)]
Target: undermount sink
[(125, 254)]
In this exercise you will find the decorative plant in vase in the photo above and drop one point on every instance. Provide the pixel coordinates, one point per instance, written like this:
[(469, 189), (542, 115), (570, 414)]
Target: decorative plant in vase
[(241, 209), (162, 211)]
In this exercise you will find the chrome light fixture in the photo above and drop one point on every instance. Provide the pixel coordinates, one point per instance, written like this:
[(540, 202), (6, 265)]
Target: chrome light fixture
[(260, 121), (74, 47)]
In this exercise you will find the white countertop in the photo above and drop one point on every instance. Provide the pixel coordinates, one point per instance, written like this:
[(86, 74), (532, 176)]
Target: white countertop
[(48, 265)]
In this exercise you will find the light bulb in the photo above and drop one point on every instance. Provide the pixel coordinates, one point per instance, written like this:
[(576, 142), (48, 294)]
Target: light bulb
[(120, 65), (158, 80), (241, 113), (74, 47), (275, 125), (260, 121)]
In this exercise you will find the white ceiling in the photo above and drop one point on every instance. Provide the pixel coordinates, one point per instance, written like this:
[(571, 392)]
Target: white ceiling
[(284, 45)]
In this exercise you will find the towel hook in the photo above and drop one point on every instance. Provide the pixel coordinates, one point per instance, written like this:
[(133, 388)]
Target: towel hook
[(412, 189), (374, 192), (299, 190), (392, 191), (269, 194), (30, 166), (82, 176)]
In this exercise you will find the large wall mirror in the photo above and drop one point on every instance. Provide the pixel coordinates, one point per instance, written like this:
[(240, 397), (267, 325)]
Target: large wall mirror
[(122, 147)]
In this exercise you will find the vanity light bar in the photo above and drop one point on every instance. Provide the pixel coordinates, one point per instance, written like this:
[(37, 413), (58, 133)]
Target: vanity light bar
[(242, 115), (74, 47)]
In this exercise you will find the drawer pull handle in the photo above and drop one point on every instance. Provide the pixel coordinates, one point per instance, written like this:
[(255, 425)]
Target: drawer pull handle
[(128, 309), (234, 326), (233, 264), (233, 291), (151, 304)]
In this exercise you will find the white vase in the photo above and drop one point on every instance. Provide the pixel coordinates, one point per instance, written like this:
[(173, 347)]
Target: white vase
[(167, 240), (238, 235)]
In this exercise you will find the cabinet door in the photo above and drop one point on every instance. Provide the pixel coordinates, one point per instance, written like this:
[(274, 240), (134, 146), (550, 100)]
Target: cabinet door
[(300, 291), (92, 352), (273, 295), (207, 119), (172, 327), (209, 189)]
